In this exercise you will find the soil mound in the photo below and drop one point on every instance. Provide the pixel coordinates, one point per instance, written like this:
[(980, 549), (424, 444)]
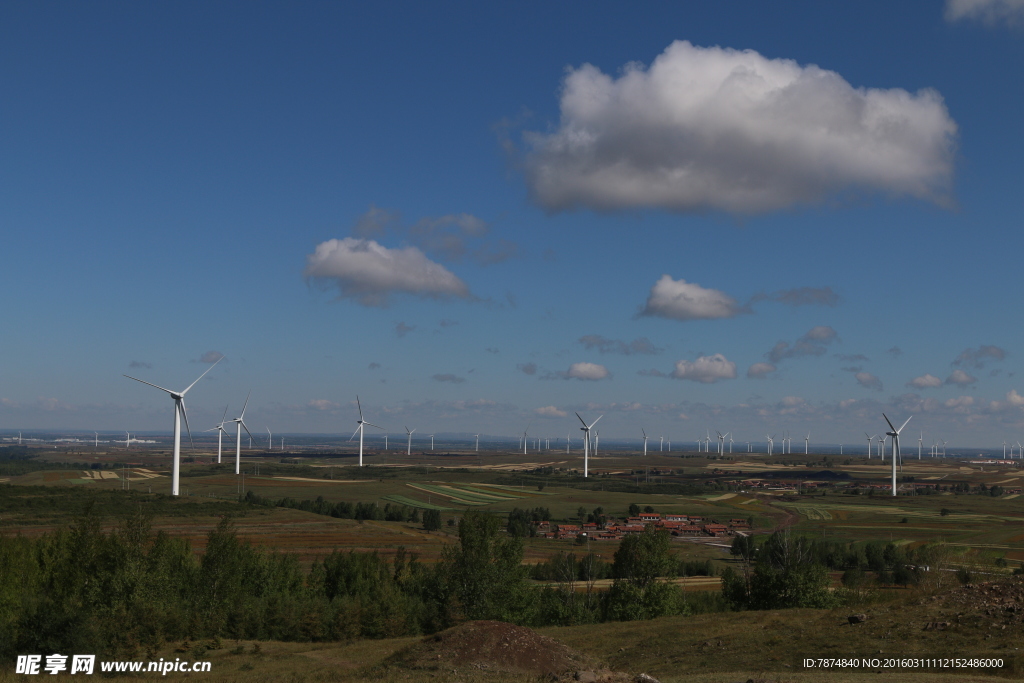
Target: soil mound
[(493, 646)]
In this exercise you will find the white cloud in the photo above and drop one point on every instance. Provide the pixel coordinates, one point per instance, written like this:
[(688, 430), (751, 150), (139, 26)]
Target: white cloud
[(322, 404), (868, 381), (717, 128), (961, 378), (811, 344), (369, 273), (682, 300), (587, 371), (549, 411), (706, 369), (976, 358), (925, 381), (1014, 398), (962, 402), (987, 11), (760, 370)]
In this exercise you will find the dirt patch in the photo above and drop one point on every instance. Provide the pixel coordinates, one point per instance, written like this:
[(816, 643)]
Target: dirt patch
[(495, 646)]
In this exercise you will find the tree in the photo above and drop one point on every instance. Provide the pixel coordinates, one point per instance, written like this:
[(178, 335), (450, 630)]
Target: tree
[(634, 509), (431, 520), (636, 593), (786, 574)]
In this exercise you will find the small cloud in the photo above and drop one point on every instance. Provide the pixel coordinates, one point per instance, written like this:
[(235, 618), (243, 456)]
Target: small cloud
[(989, 12), (811, 344), (976, 358), (448, 323), (374, 366), (868, 381), (210, 357), (369, 273), (801, 296), (375, 222), (682, 300), (925, 381), (1014, 398), (401, 329), (448, 377), (549, 411), (138, 364), (960, 402), (961, 378), (760, 370), (491, 349), (641, 345), (587, 371), (706, 369), (527, 368), (895, 352), (322, 404)]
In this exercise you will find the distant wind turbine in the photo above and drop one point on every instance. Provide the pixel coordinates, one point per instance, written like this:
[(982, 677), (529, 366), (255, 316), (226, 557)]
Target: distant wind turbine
[(645, 440), (361, 425), (239, 426), (807, 440), (477, 442), (179, 414), (870, 439), (895, 434), (586, 442), (220, 433), (408, 447)]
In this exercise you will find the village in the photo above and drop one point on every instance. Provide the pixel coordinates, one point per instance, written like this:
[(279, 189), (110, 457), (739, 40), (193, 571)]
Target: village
[(614, 529)]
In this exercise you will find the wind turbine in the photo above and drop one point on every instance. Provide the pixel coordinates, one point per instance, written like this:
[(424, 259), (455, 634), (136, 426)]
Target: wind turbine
[(645, 440), (431, 442), (524, 438), (586, 442), (96, 444), (721, 442), (179, 413), (127, 440), (895, 434), (362, 423), (920, 440), (597, 440), (220, 433), (1020, 450), (270, 439), (771, 442), (870, 439), (239, 426), (807, 440), (1004, 449), (662, 446), (729, 434), (408, 447), (477, 442), (567, 443)]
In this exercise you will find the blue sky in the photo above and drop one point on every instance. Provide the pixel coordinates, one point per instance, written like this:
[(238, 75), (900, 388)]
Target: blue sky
[(479, 216)]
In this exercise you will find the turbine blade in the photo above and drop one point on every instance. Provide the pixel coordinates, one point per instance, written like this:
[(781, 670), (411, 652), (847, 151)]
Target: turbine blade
[(202, 375), (150, 384), (181, 402), (905, 424), (355, 432), (245, 405), (890, 423), (372, 425), (360, 406), (222, 417), (246, 429), (594, 423), (577, 415)]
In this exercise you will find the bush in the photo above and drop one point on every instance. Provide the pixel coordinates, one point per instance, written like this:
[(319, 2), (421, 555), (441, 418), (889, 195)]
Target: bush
[(964, 575)]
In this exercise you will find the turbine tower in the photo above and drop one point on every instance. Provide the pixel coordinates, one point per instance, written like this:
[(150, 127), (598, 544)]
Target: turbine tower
[(807, 440), (586, 442), (179, 413), (870, 439), (239, 426), (270, 439), (895, 434), (362, 423), (220, 433), (645, 440), (408, 447), (920, 440), (477, 442), (431, 442)]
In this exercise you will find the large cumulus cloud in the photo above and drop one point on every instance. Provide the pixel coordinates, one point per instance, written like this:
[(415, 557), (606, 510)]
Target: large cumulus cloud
[(365, 271), (717, 128)]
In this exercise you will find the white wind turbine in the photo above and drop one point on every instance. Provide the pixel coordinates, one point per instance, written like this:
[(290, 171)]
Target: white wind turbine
[(870, 439), (730, 441), (239, 426), (362, 423), (771, 442), (1004, 449), (807, 440), (586, 442), (645, 439), (179, 413), (567, 441), (408, 446), (477, 442), (721, 442), (524, 438), (220, 433), (895, 434), (1020, 450), (661, 447), (270, 439), (96, 436), (920, 441), (431, 442)]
